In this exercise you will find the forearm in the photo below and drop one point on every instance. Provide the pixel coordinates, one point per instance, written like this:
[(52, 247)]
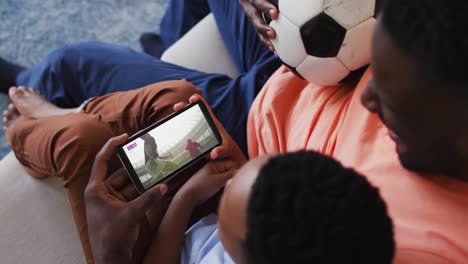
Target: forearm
[(168, 239)]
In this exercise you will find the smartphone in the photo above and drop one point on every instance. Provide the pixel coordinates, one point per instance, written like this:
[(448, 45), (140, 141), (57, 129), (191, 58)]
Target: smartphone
[(164, 149)]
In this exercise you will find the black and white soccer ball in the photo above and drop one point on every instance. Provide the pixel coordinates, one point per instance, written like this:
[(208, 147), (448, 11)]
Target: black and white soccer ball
[(323, 41)]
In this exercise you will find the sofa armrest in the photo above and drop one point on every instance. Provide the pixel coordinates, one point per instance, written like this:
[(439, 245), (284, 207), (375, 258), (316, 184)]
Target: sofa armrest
[(193, 51), (37, 223)]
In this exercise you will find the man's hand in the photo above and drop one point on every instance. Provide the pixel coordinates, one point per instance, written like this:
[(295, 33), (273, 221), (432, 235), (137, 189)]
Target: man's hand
[(207, 181), (254, 9), (229, 149), (112, 223)]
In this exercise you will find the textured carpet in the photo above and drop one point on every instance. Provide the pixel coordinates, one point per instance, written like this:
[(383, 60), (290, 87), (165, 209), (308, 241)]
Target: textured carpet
[(30, 29)]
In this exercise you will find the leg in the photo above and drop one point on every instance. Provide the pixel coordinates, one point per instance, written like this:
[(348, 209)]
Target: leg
[(238, 33), (241, 38), (75, 73), (8, 73), (131, 111), (70, 142), (180, 17), (67, 149)]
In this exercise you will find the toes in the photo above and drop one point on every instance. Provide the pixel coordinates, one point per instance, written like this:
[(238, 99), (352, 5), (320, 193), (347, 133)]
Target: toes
[(10, 113), (32, 90), (6, 114), (12, 91), (16, 92), (22, 90), (5, 119), (12, 108)]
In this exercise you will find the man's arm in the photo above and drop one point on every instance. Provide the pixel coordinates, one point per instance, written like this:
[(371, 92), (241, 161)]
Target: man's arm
[(169, 238)]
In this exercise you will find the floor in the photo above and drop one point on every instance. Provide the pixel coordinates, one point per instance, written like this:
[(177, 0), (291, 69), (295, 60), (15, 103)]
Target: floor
[(30, 29)]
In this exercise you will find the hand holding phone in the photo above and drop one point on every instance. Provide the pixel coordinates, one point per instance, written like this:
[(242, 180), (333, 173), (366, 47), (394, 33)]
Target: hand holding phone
[(166, 148), (115, 221), (229, 148)]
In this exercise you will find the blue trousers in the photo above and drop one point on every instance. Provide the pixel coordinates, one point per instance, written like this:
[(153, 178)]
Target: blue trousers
[(74, 73)]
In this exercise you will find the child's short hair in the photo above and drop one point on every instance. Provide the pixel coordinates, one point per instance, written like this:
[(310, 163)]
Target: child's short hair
[(307, 208)]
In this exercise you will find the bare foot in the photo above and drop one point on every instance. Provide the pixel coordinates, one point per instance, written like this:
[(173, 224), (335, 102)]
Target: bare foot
[(10, 115), (30, 103)]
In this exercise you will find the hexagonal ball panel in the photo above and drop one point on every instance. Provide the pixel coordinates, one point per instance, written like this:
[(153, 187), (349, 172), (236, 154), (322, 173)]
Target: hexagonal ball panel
[(356, 50), (288, 42), (322, 36), (300, 11), (323, 71), (350, 13)]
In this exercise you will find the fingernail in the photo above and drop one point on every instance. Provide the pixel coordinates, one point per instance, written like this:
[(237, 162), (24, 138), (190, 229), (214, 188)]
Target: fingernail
[(271, 12)]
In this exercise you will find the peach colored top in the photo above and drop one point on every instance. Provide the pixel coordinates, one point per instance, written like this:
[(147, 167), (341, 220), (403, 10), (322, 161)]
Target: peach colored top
[(430, 213)]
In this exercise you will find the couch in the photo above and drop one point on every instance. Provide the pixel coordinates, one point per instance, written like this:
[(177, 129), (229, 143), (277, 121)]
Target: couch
[(37, 223)]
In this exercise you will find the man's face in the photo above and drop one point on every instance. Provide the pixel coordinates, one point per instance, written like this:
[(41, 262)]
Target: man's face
[(423, 125)]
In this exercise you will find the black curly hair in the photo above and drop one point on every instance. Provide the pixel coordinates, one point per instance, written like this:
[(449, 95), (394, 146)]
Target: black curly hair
[(433, 33), (307, 208)]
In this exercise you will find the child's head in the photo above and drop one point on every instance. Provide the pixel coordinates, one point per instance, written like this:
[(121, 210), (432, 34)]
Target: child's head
[(303, 208)]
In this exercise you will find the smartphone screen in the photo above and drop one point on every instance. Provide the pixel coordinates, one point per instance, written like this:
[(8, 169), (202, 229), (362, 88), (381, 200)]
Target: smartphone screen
[(158, 152)]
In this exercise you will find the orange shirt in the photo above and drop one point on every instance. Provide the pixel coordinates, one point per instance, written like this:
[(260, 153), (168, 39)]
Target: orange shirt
[(430, 213)]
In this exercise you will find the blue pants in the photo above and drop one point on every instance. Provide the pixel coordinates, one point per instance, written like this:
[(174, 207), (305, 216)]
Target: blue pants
[(72, 74)]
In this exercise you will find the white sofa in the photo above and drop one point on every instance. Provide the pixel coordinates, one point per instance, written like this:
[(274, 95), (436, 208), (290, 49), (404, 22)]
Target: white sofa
[(37, 225)]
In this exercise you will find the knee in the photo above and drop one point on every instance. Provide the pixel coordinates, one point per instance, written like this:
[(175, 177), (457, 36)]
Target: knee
[(160, 98), (83, 136), (182, 92), (172, 92), (71, 54)]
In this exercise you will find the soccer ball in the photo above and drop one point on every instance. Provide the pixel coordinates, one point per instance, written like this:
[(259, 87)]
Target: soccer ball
[(323, 41)]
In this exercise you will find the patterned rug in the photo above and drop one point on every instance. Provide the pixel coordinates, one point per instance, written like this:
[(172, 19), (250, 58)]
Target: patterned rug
[(30, 29)]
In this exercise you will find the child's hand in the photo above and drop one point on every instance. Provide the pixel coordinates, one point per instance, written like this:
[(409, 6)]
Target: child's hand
[(207, 181)]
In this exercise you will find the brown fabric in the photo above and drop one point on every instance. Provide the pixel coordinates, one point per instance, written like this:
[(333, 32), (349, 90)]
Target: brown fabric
[(65, 146)]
